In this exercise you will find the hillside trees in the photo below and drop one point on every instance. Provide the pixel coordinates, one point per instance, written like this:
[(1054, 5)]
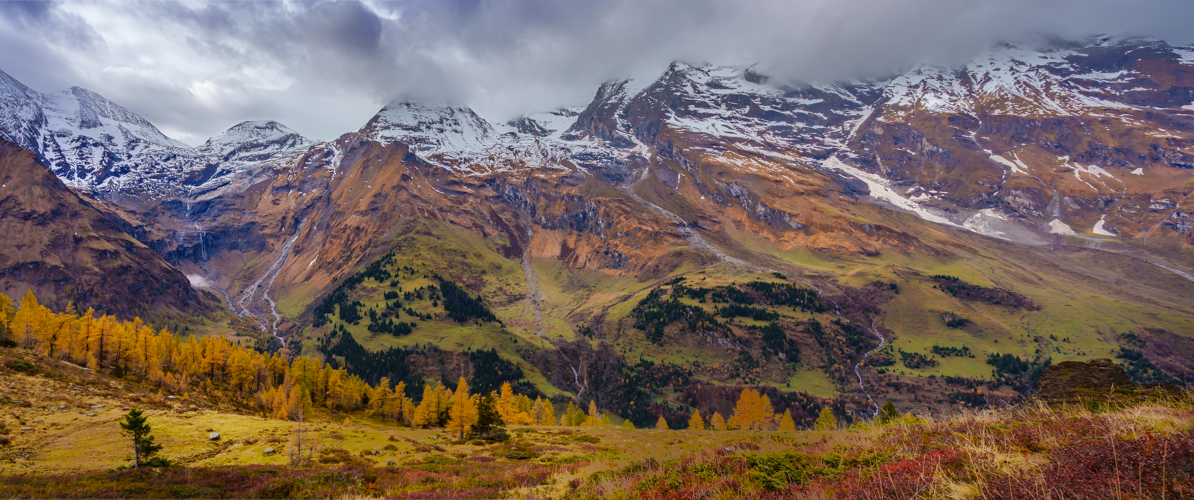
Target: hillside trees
[(753, 411), (276, 387)]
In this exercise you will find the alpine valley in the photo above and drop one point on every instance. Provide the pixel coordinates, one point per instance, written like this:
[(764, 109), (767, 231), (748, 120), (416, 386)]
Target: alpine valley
[(934, 239)]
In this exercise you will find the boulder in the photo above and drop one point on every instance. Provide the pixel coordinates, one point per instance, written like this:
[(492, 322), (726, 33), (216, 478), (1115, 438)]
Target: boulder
[(90, 414), (268, 451), (215, 436), (1095, 381), (389, 461)]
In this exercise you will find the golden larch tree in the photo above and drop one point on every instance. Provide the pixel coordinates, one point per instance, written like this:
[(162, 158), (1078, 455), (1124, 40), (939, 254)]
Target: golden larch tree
[(462, 413), (826, 421), (718, 422), (786, 423)]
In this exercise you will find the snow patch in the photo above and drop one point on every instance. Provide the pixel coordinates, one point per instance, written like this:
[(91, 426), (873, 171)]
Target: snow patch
[(881, 189), (1138, 171), (988, 222), (1056, 226), (1017, 167), (198, 281), (1188, 107), (1098, 228)]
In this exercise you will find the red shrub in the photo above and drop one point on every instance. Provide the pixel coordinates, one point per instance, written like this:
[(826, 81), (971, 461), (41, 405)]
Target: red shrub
[(906, 479), (1146, 467)]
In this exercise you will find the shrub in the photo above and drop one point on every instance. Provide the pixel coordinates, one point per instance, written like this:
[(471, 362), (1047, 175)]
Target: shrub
[(22, 366), (1149, 466)]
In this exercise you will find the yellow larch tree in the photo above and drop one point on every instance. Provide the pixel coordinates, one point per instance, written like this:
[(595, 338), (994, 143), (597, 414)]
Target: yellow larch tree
[(462, 413), (786, 423), (718, 422), (825, 421), (753, 411), (661, 424), (696, 423)]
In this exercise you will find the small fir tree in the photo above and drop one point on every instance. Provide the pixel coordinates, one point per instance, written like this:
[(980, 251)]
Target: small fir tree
[(888, 413), (696, 423), (489, 421), (661, 424), (136, 426)]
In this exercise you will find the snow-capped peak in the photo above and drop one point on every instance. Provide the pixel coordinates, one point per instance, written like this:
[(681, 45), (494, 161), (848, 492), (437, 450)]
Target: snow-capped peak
[(84, 112), (254, 140), (447, 130)]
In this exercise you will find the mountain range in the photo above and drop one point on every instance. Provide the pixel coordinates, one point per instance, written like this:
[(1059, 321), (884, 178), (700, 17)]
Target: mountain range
[(1030, 195)]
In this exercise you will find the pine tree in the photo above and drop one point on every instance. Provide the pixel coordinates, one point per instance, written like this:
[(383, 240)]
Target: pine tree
[(826, 421), (718, 422), (489, 421), (888, 413), (462, 414), (696, 423), (136, 426), (661, 424), (786, 423)]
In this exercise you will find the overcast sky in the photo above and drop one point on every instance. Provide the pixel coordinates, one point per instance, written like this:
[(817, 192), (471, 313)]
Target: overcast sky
[(324, 68)]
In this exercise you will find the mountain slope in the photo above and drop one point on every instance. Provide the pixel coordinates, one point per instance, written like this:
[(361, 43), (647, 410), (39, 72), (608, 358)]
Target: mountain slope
[(936, 212), (58, 245)]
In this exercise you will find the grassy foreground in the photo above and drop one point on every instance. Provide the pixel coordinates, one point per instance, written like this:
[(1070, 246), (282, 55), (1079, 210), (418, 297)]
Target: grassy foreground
[(62, 441)]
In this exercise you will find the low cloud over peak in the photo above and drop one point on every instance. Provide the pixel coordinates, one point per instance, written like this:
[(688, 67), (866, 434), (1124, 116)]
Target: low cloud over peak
[(324, 68)]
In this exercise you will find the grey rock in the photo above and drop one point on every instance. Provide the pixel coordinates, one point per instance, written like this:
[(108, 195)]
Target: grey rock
[(268, 451), (215, 436)]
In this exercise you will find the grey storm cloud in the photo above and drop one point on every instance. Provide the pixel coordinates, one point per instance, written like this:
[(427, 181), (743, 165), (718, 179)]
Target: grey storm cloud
[(324, 68)]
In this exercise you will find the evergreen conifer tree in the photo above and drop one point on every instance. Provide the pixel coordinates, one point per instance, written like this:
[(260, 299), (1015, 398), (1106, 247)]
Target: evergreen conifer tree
[(888, 413), (136, 426), (489, 421)]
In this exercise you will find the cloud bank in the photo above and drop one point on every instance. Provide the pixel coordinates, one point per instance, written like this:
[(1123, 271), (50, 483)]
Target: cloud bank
[(323, 68)]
